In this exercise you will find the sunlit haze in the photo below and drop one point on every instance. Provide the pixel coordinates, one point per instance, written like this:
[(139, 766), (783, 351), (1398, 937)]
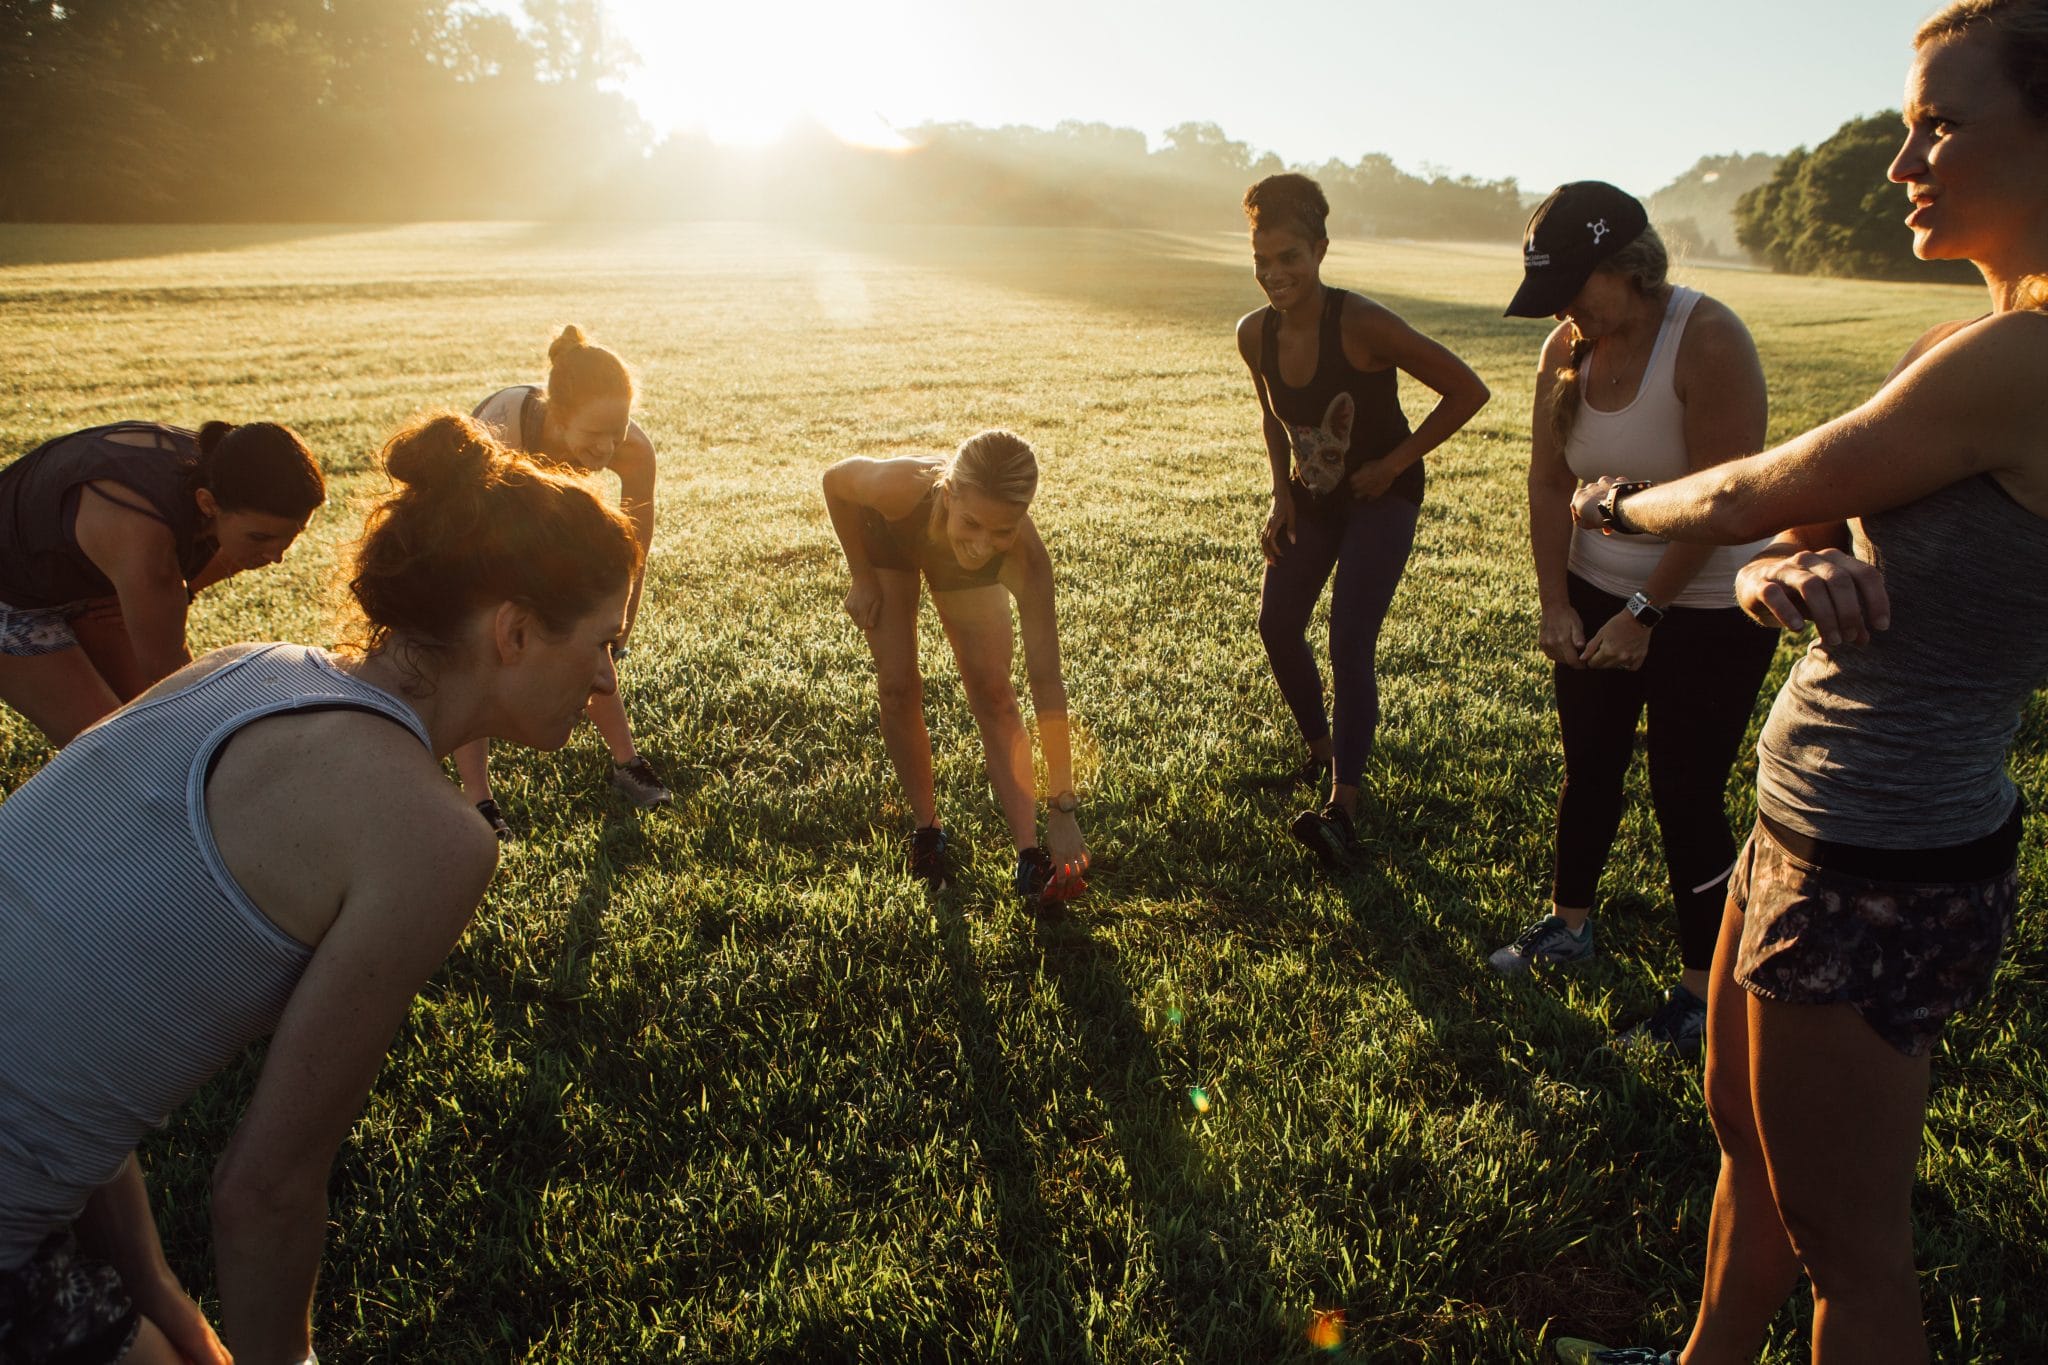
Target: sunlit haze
[(1613, 88)]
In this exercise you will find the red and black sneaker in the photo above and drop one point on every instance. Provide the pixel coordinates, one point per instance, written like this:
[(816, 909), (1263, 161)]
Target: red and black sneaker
[(928, 861)]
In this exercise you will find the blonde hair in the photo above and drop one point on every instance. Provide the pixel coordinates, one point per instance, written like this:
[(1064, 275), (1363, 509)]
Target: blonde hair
[(580, 371), (998, 464), (1646, 264)]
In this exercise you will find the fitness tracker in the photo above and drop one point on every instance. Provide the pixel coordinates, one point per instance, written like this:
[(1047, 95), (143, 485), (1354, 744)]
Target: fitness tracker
[(1610, 508), (1066, 803), (1646, 612)]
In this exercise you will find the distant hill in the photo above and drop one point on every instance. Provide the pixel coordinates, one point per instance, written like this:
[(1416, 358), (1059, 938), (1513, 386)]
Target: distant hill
[(1696, 212)]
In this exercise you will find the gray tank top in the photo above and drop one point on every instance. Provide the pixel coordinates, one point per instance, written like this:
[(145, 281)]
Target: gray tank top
[(1901, 743), (132, 966)]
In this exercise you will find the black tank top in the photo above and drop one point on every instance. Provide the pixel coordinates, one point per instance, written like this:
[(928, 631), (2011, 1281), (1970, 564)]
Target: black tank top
[(40, 562), (1342, 418), (908, 544)]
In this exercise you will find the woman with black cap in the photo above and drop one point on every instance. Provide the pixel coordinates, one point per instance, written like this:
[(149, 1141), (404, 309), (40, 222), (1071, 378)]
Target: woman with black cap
[(1645, 380)]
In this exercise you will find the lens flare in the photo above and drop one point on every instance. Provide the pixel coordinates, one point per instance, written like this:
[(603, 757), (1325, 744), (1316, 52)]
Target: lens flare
[(1326, 1332), (1199, 1098)]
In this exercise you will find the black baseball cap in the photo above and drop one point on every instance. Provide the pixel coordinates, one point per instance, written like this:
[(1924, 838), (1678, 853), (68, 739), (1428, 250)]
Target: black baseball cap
[(1571, 232)]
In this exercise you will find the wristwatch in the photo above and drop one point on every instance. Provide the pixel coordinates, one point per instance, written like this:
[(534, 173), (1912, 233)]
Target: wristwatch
[(1066, 803), (1646, 612), (1610, 508)]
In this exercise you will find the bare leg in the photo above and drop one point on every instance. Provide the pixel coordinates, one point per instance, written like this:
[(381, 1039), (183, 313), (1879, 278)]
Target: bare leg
[(61, 693), (977, 621), (1840, 1112), (608, 714), (151, 1347), (900, 688), (1750, 1266)]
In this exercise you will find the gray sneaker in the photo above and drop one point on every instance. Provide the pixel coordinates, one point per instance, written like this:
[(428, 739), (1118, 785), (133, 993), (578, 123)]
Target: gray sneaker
[(1547, 940), (637, 780), (1680, 1024)]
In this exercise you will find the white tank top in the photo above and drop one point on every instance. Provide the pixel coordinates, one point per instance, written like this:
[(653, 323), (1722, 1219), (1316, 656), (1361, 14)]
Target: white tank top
[(1645, 440)]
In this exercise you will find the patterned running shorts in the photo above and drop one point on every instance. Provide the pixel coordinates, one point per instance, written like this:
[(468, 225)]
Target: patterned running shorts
[(1905, 955), (61, 1305), (28, 631)]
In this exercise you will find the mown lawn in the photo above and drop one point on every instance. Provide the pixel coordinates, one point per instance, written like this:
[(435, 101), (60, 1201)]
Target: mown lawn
[(718, 1083)]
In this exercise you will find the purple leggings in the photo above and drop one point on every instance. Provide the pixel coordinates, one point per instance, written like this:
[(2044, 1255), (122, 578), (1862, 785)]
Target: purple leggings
[(1368, 544)]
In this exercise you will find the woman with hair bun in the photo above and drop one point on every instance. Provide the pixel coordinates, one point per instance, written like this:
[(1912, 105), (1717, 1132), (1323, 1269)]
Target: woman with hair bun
[(265, 844), (1347, 475), (583, 418), (963, 526), (105, 536)]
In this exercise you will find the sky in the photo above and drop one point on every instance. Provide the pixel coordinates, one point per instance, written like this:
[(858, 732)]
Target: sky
[(1632, 92)]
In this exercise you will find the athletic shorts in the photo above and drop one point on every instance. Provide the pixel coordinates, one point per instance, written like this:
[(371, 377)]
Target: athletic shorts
[(26, 632), (62, 1306), (1905, 954)]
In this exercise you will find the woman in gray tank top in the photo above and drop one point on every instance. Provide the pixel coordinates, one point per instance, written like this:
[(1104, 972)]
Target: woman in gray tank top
[(1875, 894), (275, 851)]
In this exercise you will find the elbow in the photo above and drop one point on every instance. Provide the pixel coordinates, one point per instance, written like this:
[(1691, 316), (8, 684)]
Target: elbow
[(1735, 516)]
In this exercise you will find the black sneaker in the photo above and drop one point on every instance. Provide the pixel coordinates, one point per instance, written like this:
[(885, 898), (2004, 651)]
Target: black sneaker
[(1328, 834), (1575, 1351), (1034, 873), (928, 861), (637, 780), (1548, 940), (495, 818), (1680, 1024)]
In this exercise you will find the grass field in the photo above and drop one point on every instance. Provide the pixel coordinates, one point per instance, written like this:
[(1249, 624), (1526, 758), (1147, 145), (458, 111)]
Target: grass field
[(719, 1084)]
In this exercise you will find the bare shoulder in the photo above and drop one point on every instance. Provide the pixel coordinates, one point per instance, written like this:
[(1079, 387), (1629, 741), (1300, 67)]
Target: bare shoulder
[(1250, 329), (892, 487), (1716, 344), (636, 452)]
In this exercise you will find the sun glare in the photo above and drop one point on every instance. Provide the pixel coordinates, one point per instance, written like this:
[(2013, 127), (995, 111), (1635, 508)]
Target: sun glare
[(746, 74)]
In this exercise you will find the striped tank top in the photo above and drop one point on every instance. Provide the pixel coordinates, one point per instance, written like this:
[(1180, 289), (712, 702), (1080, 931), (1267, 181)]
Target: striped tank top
[(132, 966)]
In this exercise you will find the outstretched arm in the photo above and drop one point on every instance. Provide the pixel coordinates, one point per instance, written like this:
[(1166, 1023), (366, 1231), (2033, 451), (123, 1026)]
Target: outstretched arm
[(1278, 532), (634, 465), (117, 1227), (400, 914), (139, 556), (1027, 572)]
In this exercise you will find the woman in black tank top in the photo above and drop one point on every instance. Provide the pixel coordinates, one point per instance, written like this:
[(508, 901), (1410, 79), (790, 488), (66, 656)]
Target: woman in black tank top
[(1347, 481), (105, 536), (963, 526)]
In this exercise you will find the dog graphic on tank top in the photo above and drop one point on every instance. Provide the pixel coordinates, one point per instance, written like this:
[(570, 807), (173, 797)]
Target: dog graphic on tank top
[(1320, 451)]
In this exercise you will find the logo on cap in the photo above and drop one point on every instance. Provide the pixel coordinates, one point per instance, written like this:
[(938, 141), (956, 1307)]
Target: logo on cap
[(1535, 260), (1600, 229)]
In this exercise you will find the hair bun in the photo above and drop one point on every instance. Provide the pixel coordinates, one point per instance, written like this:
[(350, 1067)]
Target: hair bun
[(212, 434), (444, 451), (571, 339)]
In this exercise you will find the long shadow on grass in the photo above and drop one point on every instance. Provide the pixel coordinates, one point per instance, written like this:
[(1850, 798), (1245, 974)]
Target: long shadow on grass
[(1201, 1236), (1041, 1292)]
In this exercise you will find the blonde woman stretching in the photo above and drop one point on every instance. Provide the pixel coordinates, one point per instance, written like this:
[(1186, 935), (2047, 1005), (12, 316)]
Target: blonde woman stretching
[(583, 419), (964, 525)]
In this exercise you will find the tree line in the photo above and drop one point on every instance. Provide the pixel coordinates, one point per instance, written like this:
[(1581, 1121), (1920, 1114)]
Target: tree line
[(402, 110), (1831, 211)]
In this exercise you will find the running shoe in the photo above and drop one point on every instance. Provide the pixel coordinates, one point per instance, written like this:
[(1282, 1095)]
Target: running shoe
[(1034, 873), (1550, 940), (637, 780), (495, 818), (1328, 834), (1573, 1351), (1680, 1024), (928, 861)]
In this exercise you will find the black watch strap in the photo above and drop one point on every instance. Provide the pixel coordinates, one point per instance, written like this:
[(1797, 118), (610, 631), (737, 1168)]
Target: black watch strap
[(1645, 612)]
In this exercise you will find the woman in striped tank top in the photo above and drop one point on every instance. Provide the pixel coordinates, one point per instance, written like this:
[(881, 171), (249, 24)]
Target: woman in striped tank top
[(1879, 886), (275, 851)]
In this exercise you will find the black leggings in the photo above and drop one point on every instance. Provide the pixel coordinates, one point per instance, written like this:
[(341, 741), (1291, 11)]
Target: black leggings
[(1699, 683), (1367, 543)]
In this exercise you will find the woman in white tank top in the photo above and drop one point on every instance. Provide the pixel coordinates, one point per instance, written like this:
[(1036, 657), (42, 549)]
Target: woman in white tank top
[(1645, 380)]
